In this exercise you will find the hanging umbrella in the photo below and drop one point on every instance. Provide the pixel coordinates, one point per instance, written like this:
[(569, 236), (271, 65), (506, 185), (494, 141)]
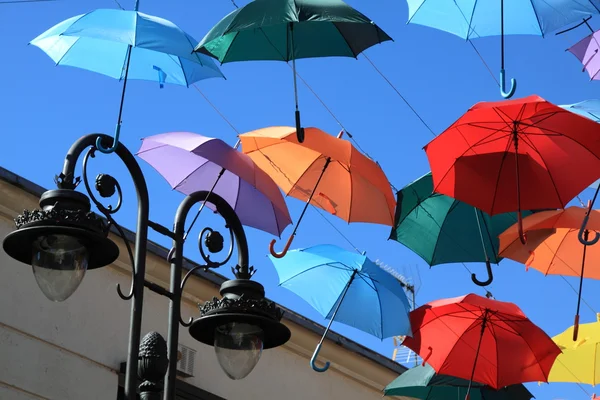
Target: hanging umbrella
[(346, 287), (587, 108), (522, 154), (586, 51), (287, 30), (561, 252), (482, 340), (192, 162), (579, 361), (325, 171), (127, 45), (442, 230), (421, 382), (475, 19)]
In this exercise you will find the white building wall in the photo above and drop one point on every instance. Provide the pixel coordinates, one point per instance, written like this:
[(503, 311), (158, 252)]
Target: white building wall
[(72, 350)]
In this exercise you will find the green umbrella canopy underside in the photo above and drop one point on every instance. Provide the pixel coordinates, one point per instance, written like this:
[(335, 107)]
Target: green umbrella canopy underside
[(423, 383), (443, 230), (261, 31)]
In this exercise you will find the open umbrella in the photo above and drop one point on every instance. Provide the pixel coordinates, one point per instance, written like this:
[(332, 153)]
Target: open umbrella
[(483, 340), (580, 360), (192, 162), (325, 171), (346, 287), (514, 155), (127, 45), (421, 382), (287, 30), (443, 230), (559, 252), (586, 51), (473, 19)]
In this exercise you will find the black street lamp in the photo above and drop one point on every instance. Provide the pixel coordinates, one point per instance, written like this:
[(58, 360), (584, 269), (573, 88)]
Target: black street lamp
[(64, 238)]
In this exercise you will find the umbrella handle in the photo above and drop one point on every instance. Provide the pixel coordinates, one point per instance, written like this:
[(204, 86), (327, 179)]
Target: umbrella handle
[(113, 146), (513, 85), (314, 358), (285, 248), (299, 128), (490, 278), (576, 328), (427, 356), (583, 228)]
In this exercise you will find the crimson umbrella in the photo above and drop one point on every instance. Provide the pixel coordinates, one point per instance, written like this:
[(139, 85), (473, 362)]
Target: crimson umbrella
[(513, 155), (482, 340)]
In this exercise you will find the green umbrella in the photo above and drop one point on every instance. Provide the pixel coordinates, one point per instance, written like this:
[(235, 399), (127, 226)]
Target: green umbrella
[(423, 383), (443, 230), (285, 30)]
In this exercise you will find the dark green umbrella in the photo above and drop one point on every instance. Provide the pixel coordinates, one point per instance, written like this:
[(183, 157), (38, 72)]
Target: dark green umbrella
[(285, 30), (443, 230), (423, 383)]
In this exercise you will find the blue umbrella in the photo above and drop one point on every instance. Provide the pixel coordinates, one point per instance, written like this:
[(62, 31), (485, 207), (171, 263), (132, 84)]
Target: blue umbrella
[(127, 45), (472, 19), (347, 287)]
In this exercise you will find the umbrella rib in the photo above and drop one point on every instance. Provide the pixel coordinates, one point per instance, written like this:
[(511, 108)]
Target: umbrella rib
[(493, 332), (488, 233), (154, 148), (316, 266), (508, 143), (380, 305)]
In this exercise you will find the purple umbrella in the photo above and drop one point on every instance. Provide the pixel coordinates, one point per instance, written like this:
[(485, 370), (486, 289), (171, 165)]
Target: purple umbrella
[(586, 51), (192, 162)]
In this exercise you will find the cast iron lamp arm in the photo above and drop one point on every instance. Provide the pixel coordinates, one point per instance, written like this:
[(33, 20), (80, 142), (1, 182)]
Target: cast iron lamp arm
[(67, 180)]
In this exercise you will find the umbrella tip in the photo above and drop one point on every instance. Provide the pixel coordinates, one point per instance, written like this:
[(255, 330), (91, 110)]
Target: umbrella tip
[(339, 136)]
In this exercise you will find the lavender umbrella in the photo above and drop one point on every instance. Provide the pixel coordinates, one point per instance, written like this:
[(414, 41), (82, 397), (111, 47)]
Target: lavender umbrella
[(586, 51), (192, 162)]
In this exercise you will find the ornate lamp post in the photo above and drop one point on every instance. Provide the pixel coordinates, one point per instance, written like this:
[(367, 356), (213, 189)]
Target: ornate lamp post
[(64, 238)]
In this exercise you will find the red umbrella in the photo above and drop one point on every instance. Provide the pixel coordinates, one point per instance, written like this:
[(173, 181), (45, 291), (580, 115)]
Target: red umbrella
[(514, 155), (482, 340)]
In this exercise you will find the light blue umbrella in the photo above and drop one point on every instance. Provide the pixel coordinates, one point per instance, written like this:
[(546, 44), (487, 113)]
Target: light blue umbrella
[(347, 287), (472, 19), (127, 45)]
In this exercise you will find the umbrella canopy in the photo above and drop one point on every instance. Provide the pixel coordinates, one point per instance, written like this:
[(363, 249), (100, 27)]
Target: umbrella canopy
[(514, 155), (473, 19), (324, 171), (422, 382), (263, 29), (579, 361), (443, 230), (587, 108), (483, 340), (192, 162), (558, 250), (375, 301), (346, 287), (586, 51), (99, 41)]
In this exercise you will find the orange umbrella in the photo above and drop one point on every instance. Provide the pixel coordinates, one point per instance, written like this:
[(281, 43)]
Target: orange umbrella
[(553, 246), (325, 171)]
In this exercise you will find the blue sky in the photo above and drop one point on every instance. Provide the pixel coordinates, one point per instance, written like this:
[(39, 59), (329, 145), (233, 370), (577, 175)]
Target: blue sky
[(45, 108)]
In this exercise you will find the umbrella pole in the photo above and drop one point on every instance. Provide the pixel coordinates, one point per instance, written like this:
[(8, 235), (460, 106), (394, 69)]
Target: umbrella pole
[(204, 203), (115, 142), (513, 82), (299, 129), (576, 324), (522, 237), (337, 307), (291, 238), (483, 323), (488, 265)]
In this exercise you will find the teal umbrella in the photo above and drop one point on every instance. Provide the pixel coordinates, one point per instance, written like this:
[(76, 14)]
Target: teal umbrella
[(423, 383), (442, 230), (286, 30)]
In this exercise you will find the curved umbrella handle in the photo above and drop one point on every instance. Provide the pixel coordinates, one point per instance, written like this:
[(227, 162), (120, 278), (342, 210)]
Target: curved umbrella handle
[(285, 248), (513, 85), (582, 230), (299, 128), (114, 145), (428, 356), (314, 358), (490, 278), (522, 236)]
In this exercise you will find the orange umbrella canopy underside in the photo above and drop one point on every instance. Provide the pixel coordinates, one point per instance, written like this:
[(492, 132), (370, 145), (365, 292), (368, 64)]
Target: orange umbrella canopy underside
[(353, 186)]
